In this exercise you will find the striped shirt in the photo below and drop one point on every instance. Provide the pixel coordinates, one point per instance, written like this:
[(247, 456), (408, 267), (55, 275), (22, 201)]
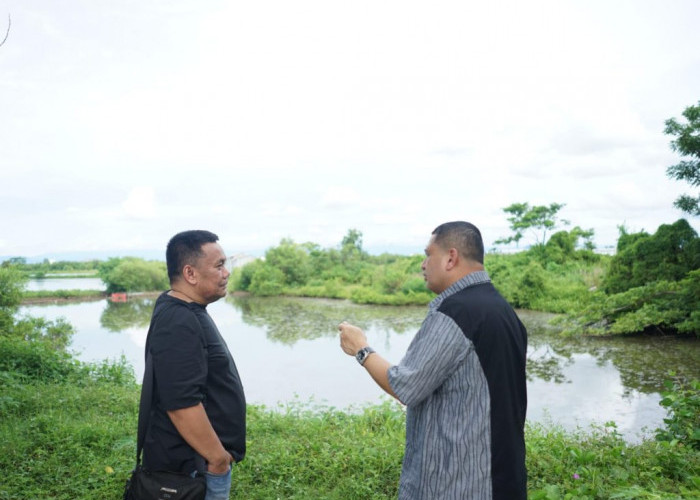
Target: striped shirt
[(463, 383)]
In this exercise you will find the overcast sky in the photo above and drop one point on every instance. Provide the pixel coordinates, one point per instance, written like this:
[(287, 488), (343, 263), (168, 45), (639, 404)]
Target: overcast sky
[(124, 122)]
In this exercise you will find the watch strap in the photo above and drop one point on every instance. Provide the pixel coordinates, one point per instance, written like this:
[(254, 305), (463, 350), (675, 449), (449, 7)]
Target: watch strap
[(363, 353)]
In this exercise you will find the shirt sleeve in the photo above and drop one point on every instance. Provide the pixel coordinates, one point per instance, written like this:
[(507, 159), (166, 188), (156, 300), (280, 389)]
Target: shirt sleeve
[(435, 353), (179, 361)]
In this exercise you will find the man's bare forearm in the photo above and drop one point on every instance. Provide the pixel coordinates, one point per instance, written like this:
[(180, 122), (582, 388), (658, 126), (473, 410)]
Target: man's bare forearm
[(378, 368), (352, 339)]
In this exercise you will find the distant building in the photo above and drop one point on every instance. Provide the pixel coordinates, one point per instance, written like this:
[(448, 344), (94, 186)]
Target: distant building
[(239, 260)]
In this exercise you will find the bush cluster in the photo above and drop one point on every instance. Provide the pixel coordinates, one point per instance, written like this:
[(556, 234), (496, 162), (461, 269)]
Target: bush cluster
[(131, 274), (651, 285), (347, 272)]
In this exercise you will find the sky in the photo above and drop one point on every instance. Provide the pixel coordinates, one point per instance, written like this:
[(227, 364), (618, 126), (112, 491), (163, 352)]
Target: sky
[(123, 123)]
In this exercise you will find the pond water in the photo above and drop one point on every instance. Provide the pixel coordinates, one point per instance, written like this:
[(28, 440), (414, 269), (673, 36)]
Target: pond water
[(287, 351), (51, 284)]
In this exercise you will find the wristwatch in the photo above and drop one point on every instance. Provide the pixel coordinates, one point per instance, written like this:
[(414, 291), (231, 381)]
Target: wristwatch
[(363, 353)]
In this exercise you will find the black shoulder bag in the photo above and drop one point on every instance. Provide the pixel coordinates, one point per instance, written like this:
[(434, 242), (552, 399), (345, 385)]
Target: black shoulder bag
[(158, 485)]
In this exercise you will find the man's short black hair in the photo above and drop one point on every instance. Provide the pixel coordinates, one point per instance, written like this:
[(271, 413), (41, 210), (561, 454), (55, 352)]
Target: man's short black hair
[(463, 236), (185, 248)]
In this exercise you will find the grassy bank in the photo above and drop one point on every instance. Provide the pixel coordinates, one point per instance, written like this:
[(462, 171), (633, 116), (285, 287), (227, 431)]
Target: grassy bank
[(43, 296), (67, 431)]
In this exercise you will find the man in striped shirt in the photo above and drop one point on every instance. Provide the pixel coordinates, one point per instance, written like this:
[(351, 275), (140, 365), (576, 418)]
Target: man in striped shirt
[(462, 380)]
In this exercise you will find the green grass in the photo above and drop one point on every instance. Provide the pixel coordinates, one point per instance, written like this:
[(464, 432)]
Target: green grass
[(34, 295), (68, 432), (72, 437)]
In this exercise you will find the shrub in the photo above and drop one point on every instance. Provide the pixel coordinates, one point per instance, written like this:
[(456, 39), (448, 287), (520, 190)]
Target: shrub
[(291, 260), (131, 274), (267, 280), (682, 400), (34, 360), (668, 255), (54, 333), (530, 286), (12, 283)]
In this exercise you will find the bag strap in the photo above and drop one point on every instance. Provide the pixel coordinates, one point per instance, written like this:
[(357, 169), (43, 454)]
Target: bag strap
[(145, 405)]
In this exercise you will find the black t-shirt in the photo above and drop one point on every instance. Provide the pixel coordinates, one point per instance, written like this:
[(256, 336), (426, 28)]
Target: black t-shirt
[(192, 364)]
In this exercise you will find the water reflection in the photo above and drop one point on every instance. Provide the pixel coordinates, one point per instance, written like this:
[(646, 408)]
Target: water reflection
[(118, 316), (49, 284), (288, 347), (642, 362), (288, 320)]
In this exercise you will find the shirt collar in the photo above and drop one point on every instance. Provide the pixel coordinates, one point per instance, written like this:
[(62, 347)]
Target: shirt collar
[(471, 279)]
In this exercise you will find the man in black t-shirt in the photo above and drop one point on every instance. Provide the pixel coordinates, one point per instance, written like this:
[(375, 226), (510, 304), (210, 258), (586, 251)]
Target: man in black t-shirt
[(199, 409)]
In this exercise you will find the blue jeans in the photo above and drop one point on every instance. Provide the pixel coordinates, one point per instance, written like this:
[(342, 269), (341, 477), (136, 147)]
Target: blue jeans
[(218, 485)]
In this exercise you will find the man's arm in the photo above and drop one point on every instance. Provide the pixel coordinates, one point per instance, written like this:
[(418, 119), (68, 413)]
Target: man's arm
[(193, 425), (352, 339)]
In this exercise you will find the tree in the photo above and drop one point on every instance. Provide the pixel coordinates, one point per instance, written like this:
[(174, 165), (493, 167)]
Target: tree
[(131, 274), (562, 245), (524, 217), (18, 262), (687, 143), (668, 255), (292, 259), (351, 246), (12, 283)]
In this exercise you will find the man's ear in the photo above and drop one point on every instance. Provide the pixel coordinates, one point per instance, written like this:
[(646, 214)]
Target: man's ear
[(452, 259), (189, 274)]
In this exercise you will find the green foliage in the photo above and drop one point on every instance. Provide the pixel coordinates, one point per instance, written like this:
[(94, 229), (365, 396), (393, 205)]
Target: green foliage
[(682, 400), (54, 333), (351, 246), (669, 254), (267, 280), (36, 295), (529, 286), (85, 434), (562, 246), (80, 429), (12, 283), (529, 283), (34, 360), (307, 270), (687, 143), (131, 274), (241, 277), (79, 422), (292, 260), (536, 218), (600, 464), (651, 285), (662, 306), (359, 455), (40, 269)]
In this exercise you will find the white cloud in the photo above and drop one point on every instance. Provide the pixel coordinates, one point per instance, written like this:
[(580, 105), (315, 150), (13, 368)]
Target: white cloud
[(340, 197), (303, 119), (140, 203)]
